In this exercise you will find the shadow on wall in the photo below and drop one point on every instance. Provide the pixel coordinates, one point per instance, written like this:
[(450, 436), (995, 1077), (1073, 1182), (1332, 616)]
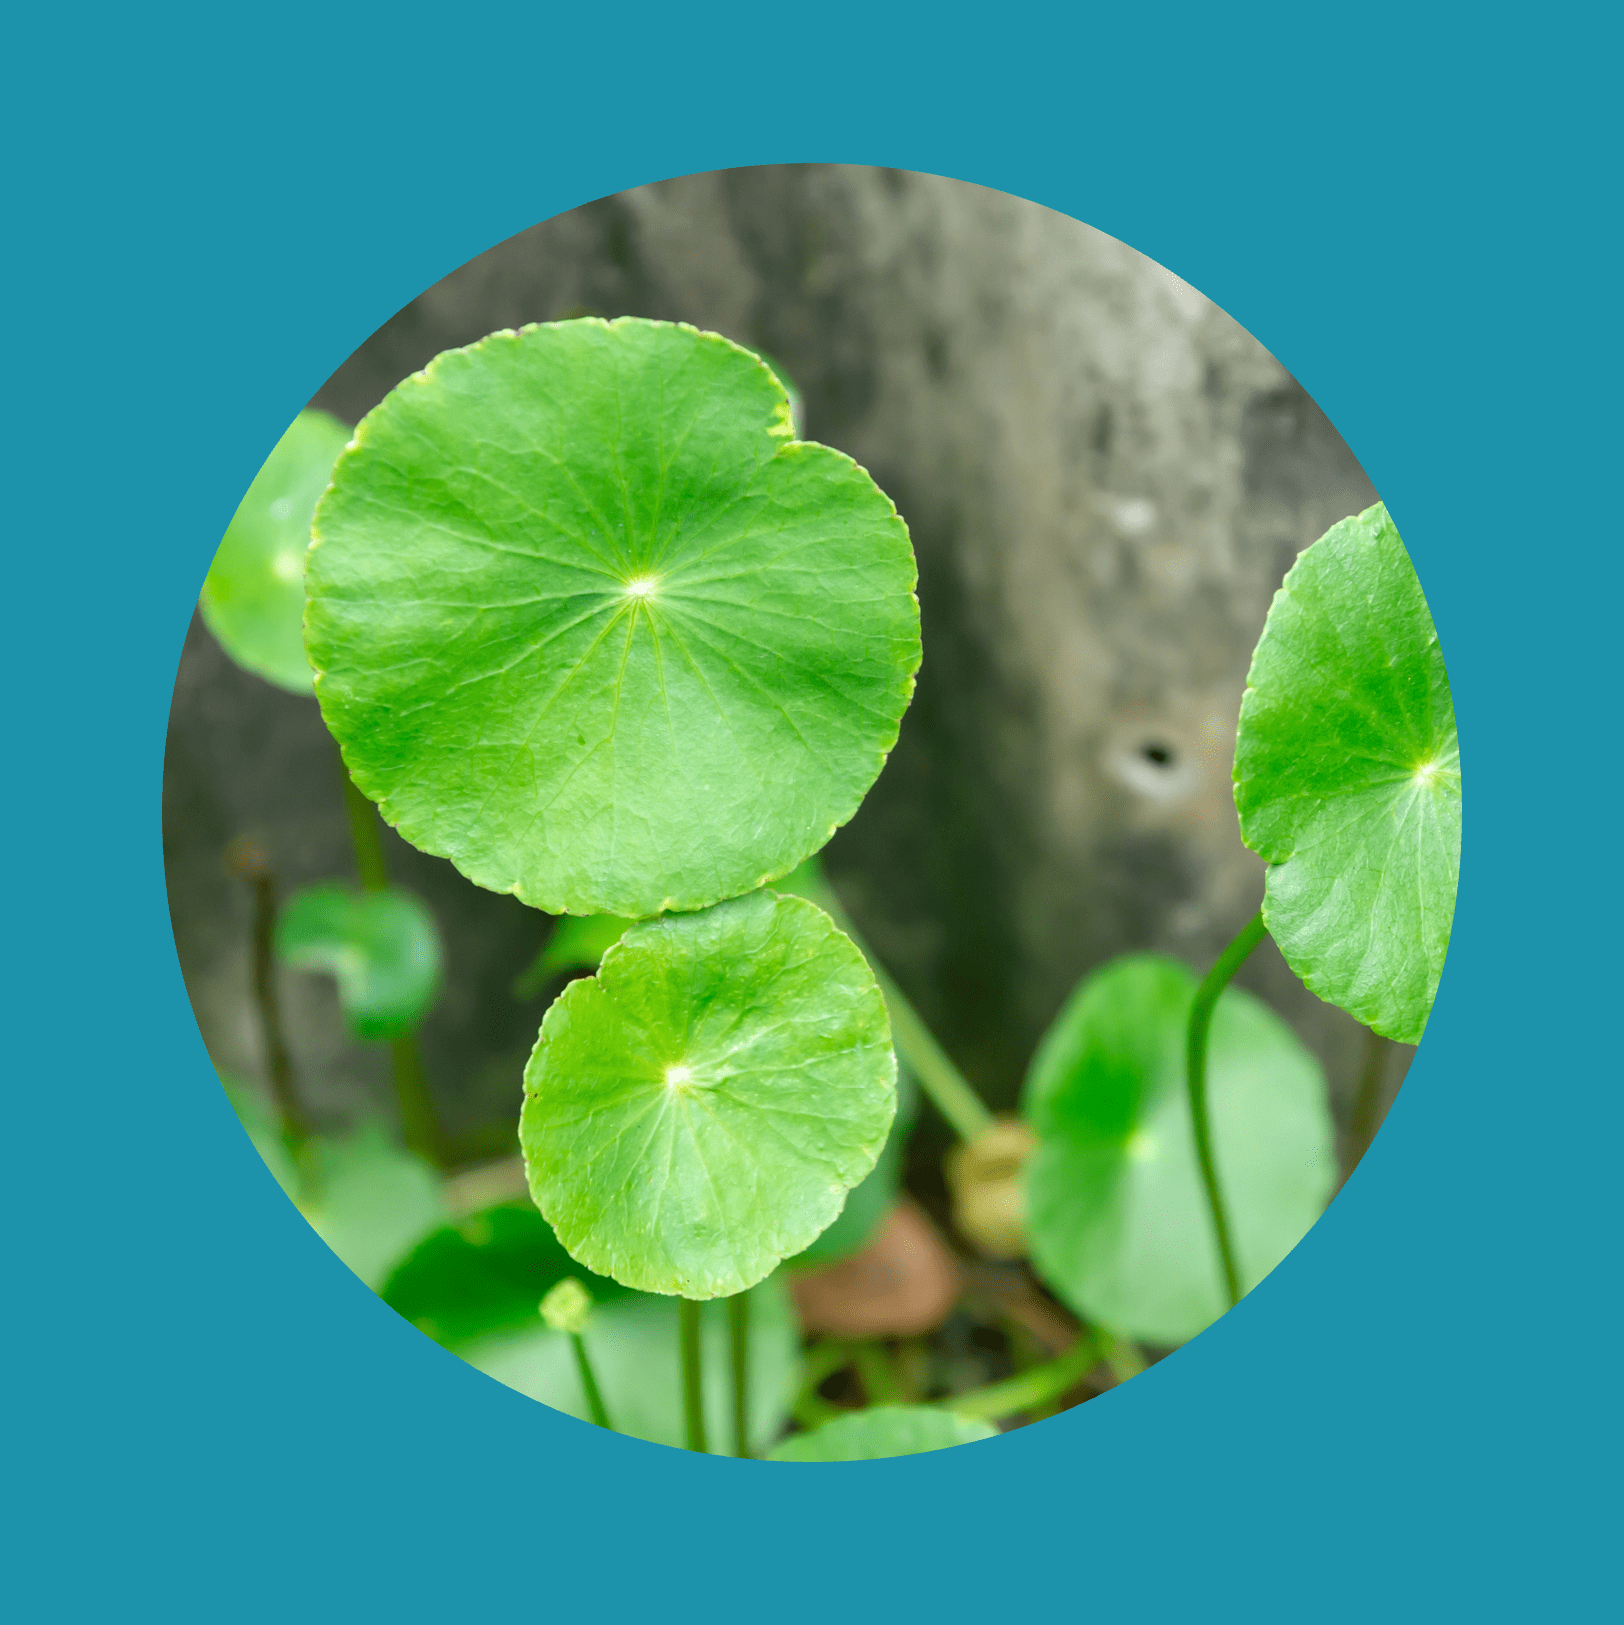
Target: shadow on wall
[(1105, 479)]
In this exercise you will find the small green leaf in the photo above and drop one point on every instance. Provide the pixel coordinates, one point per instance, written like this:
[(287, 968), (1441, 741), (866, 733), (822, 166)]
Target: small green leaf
[(633, 1346), (372, 1201), (1116, 1214), (483, 1276), (1347, 778), (578, 942), (589, 621), (886, 1430), (698, 1111), (253, 599), (381, 946)]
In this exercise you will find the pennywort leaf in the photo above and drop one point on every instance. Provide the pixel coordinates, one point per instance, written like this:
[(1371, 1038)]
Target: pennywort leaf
[(382, 947), (1116, 1216), (1347, 778), (697, 1111), (253, 598), (885, 1430), (590, 622)]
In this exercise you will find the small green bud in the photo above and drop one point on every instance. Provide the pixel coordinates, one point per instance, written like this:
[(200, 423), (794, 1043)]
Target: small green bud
[(567, 1306)]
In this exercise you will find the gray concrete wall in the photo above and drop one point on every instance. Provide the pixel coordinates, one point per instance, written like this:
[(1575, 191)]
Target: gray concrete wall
[(1105, 479)]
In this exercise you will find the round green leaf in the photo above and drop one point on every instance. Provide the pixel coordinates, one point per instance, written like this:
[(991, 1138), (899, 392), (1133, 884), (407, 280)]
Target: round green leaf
[(632, 1342), (382, 947), (484, 1275), (1347, 778), (867, 1203), (253, 598), (1116, 1213), (697, 1111), (886, 1430), (589, 621)]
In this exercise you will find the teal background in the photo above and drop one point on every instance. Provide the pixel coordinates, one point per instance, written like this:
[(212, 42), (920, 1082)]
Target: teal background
[(1414, 1417)]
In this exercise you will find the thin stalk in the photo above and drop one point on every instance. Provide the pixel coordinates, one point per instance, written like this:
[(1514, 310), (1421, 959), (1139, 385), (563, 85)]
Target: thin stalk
[(246, 860), (946, 1087), (881, 1383), (693, 1392), (821, 1361), (1206, 1000), (1032, 1389), (1122, 1358), (738, 1331), (419, 1121), (369, 857), (589, 1384)]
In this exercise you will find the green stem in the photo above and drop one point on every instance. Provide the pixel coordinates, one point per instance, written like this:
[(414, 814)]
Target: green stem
[(1123, 1358), (1033, 1388), (948, 1089), (1206, 1000), (738, 1327), (589, 1384), (419, 1122), (881, 1384), (369, 857), (693, 1392)]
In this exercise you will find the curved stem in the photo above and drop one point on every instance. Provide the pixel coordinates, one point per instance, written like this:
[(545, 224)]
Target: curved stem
[(1033, 1388), (589, 1384), (738, 1326), (947, 1088), (693, 1392), (1206, 1000)]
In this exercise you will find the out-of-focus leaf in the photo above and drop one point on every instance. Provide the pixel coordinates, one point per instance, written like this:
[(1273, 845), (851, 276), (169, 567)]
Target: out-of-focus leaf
[(886, 1430), (253, 598), (382, 947)]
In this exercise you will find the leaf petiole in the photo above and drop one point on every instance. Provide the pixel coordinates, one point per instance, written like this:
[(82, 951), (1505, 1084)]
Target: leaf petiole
[(1201, 1008), (693, 1392)]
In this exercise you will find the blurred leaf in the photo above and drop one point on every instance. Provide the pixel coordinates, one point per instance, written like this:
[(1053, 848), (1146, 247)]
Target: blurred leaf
[(578, 942), (1347, 778), (485, 1275), (886, 1430), (1116, 1214), (372, 1201), (253, 598), (632, 1343), (382, 947), (585, 711), (697, 1111)]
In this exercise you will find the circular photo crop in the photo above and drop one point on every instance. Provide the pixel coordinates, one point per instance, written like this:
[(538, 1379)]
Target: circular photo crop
[(811, 813)]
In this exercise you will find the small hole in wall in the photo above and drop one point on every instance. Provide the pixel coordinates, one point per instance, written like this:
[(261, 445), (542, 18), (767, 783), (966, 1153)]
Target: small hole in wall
[(1158, 753)]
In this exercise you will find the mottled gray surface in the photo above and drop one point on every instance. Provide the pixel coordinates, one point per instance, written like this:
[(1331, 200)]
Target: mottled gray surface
[(1105, 479)]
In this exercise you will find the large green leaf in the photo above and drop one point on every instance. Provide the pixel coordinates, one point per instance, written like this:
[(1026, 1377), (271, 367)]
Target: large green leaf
[(589, 621), (697, 1111), (484, 1275), (886, 1430), (1116, 1214), (1347, 778), (253, 599), (633, 1345), (867, 1203), (382, 947)]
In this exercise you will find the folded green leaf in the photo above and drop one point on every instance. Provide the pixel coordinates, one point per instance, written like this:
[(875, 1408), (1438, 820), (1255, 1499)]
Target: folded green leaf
[(589, 621), (697, 1112), (1116, 1215), (1347, 778), (381, 946), (253, 599), (886, 1430)]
